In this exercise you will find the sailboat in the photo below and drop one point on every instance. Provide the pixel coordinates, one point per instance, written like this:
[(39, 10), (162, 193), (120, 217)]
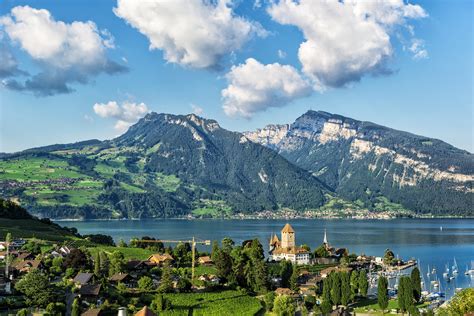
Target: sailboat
[(428, 273), (446, 273), (455, 267), (467, 270)]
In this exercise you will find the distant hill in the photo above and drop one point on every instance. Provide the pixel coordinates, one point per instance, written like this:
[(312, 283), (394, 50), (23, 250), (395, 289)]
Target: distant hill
[(163, 166), (371, 164)]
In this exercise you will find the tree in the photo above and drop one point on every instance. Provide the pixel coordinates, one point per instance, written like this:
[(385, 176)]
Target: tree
[(214, 250), (321, 252), (382, 293), (227, 244), (145, 284), (56, 309), (104, 263), (76, 308), (260, 277), (326, 306), (286, 270), (97, 264), (345, 288), (284, 306), (388, 256), (76, 259), (416, 283), (223, 263), (354, 284), (166, 283), (35, 285), (183, 285), (269, 299), (305, 247), (23, 312), (363, 283), (117, 263), (122, 243), (335, 288), (294, 279), (405, 294), (462, 303), (160, 303)]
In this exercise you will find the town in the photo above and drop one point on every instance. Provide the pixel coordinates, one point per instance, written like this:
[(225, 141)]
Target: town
[(148, 276)]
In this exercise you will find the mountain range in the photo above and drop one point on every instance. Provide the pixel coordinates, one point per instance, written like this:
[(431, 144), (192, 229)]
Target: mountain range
[(178, 165)]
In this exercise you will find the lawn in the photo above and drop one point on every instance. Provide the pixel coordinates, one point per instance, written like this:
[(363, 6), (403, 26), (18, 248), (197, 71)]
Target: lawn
[(128, 253), (30, 228), (200, 270), (34, 169), (371, 306), (221, 303)]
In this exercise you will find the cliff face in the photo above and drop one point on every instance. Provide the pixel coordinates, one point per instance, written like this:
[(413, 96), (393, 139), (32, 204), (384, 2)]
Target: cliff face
[(361, 160)]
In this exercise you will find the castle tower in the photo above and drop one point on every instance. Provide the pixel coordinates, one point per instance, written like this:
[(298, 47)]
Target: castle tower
[(287, 236)]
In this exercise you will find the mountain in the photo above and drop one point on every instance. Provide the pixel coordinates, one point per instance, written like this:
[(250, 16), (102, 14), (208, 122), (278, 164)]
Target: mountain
[(368, 163), (163, 166)]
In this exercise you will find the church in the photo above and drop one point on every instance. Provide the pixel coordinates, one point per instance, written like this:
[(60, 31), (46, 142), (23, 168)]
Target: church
[(286, 248)]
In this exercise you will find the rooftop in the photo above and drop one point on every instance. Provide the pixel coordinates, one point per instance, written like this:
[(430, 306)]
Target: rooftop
[(83, 278), (287, 229)]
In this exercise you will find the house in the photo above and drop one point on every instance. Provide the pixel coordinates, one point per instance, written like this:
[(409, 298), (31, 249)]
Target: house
[(160, 259), (90, 292), (124, 278), (26, 265), (326, 272), (82, 278), (286, 249), (205, 261), (209, 278), (283, 291), (145, 311), (25, 256)]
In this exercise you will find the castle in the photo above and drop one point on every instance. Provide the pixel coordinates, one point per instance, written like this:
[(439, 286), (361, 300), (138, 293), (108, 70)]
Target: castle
[(286, 248)]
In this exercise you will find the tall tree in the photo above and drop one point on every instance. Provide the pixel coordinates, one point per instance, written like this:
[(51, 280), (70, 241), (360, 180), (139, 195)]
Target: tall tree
[(227, 244), (145, 284), (363, 283), (214, 250), (223, 263), (326, 306), (345, 288), (382, 293), (36, 287), (335, 288), (104, 263), (416, 283), (354, 284), (294, 279), (286, 270), (261, 278), (117, 263), (166, 283), (405, 294)]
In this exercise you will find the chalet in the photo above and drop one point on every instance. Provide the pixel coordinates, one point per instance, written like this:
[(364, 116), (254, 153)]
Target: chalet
[(90, 292), (284, 291), (326, 272), (210, 278), (145, 311), (26, 266), (82, 278), (124, 278), (286, 249), (205, 261), (160, 259)]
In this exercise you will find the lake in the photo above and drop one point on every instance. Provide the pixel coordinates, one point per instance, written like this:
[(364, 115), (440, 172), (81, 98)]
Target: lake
[(435, 242)]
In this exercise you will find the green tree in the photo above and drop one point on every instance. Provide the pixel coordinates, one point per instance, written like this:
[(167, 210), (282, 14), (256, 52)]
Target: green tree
[(269, 299), (335, 288), (462, 303), (56, 309), (363, 283), (321, 252), (166, 283), (326, 306), (223, 263), (23, 312), (354, 284), (35, 285), (260, 277), (286, 270), (388, 256), (117, 263), (145, 284), (284, 306), (294, 279), (214, 250), (345, 288), (405, 294), (122, 243), (416, 283), (104, 263), (183, 285), (160, 303), (76, 308), (97, 264), (227, 244), (382, 293)]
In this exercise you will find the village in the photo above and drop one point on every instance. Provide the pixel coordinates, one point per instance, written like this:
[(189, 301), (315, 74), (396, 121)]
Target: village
[(149, 277)]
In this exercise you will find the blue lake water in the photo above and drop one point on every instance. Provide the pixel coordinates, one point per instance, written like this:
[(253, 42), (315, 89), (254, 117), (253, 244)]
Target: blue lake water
[(435, 242)]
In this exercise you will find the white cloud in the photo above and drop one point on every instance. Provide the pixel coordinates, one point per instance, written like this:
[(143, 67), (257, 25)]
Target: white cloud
[(197, 109), (344, 40), (126, 114), (417, 47), (192, 33), (254, 87), (281, 54), (66, 52)]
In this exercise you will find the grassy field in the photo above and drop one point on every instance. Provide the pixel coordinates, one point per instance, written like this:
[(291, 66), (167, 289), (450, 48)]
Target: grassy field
[(129, 253), (33, 169), (222, 303), (29, 228)]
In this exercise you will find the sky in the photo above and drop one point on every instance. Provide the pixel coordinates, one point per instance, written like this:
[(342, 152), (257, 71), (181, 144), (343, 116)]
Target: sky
[(85, 69)]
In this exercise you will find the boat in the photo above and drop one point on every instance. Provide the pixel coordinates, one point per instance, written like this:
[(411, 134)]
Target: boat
[(455, 267), (428, 273), (433, 271)]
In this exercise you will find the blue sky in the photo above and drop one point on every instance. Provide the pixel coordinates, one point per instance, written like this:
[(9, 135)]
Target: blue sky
[(430, 94)]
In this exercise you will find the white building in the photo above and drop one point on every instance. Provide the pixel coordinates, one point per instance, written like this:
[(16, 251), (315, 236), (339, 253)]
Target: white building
[(287, 249)]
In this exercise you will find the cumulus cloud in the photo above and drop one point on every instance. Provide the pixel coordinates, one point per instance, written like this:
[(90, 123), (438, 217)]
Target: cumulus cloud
[(126, 114), (344, 40), (417, 47), (254, 87), (8, 64), (66, 53), (197, 109), (191, 33)]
